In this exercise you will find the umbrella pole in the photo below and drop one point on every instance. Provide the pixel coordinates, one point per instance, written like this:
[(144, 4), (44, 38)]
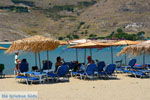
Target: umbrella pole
[(47, 55), (35, 59), (39, 60), (125, 58), (76, 54), (143, 58), (91, 52), (111, 54), (47, 59), (85, 56)]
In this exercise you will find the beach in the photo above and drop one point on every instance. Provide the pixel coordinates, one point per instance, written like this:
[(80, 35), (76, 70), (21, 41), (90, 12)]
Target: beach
[(68, 55), (122, 88)]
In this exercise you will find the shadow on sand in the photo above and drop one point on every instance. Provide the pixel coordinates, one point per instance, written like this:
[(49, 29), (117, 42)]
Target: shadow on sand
[(46, 82), (133, 76)]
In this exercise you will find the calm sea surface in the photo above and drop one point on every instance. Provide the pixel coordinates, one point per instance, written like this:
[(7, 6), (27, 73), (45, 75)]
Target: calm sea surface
[(67, 54)]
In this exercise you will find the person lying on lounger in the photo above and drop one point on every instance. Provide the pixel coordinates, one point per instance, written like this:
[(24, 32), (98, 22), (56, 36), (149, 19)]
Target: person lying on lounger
[(59, 62)]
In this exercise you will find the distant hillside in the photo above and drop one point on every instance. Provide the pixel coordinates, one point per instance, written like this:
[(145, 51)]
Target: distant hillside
[(72, 18)]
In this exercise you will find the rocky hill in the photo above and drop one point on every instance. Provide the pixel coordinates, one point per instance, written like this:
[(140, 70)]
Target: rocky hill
[(66, 18)]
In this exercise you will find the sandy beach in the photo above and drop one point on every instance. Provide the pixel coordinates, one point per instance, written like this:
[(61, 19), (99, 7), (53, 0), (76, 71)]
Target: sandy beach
[(123, 88)]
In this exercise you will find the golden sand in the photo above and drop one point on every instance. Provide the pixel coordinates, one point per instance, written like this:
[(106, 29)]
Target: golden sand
[(123, 88)]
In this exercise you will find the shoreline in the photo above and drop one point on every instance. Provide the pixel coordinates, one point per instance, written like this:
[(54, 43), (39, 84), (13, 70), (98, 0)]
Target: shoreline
[(5, 42)]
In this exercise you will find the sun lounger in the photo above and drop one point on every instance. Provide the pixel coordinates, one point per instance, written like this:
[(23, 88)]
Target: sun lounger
[(24, 67), (132, 62), (90, 72), (139, 73), (81, 70), (61, 72), (28, 79), (1, 70), (126, 68), (100, 66), (32, 77), (47, 65), (109, 71)]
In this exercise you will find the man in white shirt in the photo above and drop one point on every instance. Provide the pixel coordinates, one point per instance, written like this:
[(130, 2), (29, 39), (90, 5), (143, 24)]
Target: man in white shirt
[(16, 57), (16, 70)]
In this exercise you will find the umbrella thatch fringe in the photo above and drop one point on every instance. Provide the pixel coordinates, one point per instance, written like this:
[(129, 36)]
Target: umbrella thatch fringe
[(3, 48), (135, 50), (34, 44)]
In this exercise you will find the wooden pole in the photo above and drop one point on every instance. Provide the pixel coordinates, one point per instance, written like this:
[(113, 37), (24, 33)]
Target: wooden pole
[(125, 58), (35, 59), (85, 56), (47, 55), (144, 58), (112, 55), (76, 54), (91, 52), (39, 60)]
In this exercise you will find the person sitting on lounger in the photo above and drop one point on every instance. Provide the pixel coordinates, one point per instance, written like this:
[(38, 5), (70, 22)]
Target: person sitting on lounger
[(77, 66), (58, 63), (90, 61)]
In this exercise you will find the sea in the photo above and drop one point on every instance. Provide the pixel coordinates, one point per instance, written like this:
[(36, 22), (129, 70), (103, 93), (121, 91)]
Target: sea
[(68, 54)]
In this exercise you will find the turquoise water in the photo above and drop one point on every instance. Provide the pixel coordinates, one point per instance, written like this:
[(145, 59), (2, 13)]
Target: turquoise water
[(67, 54)]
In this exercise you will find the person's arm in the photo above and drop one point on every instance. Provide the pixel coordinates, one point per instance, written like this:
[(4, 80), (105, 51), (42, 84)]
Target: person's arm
[(63, 60)]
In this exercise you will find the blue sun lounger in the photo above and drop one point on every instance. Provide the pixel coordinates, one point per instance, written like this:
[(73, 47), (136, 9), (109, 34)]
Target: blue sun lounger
[(100, 66), (32, 77), (28, 79), (139, 73), (1, 71), (61, 72), (109, 71), (89, 72), (125, 69)]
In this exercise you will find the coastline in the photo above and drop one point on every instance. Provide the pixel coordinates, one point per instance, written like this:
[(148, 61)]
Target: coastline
[(5, 42)]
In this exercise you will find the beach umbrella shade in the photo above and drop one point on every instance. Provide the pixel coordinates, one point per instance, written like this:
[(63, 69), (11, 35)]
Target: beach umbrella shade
[(63, 43), (3, 48), (126, 43), (60, 43), (34, 44), (74, 42), (90, 45), (110, 44), (138, 49)]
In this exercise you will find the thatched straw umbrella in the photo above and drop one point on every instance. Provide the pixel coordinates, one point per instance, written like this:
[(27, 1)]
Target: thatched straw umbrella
[(135, 50), (89, 45), (63, 42), (126, 43), (3, 48), (34, 44)]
